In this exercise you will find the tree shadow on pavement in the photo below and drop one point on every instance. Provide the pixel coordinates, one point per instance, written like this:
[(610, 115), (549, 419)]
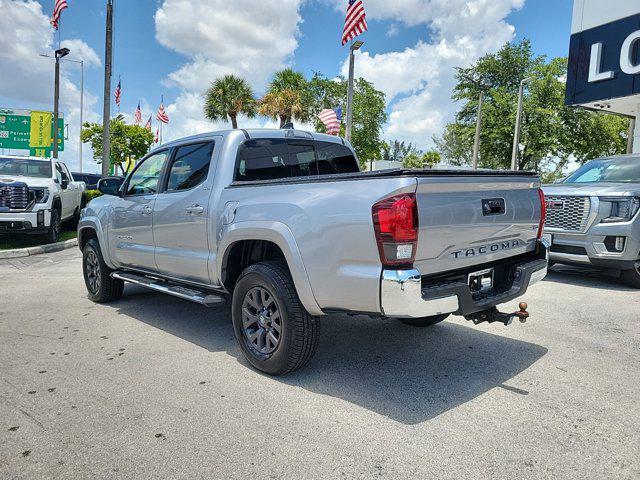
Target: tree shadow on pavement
[(586, 277), (407, 374)]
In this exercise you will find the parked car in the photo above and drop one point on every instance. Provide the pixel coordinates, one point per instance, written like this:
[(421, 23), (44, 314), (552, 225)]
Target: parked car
[(593, 217), (37, 195), (284, 224), (90, 179)]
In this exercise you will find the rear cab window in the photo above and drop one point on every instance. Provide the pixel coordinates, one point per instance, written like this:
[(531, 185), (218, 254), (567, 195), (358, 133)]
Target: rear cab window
[(275, 158)]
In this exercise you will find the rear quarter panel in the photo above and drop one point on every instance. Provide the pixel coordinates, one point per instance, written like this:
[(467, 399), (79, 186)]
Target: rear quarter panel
[(333, 230)]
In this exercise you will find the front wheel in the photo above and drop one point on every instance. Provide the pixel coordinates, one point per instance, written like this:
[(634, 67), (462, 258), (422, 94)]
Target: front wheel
[(276, 334), (632, 277), (53, 233), (424, 321), (97, 275)]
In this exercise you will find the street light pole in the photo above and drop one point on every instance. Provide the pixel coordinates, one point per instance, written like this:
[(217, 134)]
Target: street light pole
[(516, 136), (352, 59), (60, 53)]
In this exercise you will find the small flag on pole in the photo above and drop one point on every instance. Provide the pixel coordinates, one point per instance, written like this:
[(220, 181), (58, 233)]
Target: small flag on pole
[(161, 116), (138, 115), (356, 22), (58, 7), (157, 137), (118, 93), (330, 119), (148, 124)]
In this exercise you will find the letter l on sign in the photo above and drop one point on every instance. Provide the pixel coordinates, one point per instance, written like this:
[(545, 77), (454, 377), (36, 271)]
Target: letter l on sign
[(595, 75)]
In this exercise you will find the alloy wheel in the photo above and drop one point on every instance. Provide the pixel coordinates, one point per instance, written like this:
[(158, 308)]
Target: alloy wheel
[(261, 321), (93, 272)]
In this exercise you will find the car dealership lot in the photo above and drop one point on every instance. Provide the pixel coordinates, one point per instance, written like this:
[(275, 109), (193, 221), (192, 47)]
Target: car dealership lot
[(155, 387)]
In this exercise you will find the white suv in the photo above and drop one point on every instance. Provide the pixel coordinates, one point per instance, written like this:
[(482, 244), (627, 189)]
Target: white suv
[(37, 195)]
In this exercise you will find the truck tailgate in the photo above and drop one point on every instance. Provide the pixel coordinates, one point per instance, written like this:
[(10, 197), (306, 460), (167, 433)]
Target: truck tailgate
[(467, 220)]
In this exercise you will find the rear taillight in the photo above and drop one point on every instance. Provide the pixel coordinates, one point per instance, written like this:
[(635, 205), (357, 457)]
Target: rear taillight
[(543, 213), (395, 221)]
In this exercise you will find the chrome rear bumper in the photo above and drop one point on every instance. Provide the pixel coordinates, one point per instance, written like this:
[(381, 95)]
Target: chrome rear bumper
[(402, 294)]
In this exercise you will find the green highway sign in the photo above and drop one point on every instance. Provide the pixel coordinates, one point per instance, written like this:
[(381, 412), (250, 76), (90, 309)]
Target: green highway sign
[(15, 130)]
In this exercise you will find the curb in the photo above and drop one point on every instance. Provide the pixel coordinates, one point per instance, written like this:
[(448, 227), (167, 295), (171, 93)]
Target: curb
[(29, 252)]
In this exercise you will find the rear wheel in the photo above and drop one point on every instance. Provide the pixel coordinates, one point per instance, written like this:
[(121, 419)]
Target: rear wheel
[(276, 334), (424, 321), (97, 275), (632, 277)]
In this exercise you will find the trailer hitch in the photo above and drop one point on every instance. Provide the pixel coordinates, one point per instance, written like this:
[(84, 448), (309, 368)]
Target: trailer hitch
[(492, 315)]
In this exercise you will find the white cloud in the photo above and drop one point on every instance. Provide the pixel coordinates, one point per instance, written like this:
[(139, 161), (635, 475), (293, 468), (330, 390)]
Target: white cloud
[(27, 78), (419, 80), (250, 38)]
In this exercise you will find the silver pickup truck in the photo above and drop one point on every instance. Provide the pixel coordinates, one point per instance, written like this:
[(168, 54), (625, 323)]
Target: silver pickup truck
[(593, 217), (284, 225)]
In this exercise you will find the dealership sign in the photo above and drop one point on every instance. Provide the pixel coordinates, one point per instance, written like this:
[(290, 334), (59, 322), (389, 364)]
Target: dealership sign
[(604, 62)]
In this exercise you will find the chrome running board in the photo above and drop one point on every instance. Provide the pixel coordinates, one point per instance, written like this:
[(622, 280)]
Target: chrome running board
[(198, 296)]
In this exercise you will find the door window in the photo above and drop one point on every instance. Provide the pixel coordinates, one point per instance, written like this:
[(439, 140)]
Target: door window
[(144, 180), (190, 166)]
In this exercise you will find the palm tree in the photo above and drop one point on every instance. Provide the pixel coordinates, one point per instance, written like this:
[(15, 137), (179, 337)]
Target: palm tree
[(229, 96), (287, 98)]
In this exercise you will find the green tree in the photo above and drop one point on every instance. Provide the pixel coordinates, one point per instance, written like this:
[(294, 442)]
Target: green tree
[(421, 160), (287, 98), (369, 112), (128, 142), (397, 151), (228, 97), (551, 133)]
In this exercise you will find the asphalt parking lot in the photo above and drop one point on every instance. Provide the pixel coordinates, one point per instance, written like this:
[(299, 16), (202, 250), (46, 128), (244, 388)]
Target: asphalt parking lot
[(155, 387)]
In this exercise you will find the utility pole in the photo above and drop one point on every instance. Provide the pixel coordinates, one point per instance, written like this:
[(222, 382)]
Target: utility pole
[(476, 142), (61, 52), (81, 113), (516, 136), (352, 59), (106, 111), (632, 132)]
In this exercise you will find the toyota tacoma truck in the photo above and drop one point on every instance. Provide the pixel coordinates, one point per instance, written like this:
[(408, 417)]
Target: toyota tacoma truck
[(593, 217), (37, 195), (284, 225)]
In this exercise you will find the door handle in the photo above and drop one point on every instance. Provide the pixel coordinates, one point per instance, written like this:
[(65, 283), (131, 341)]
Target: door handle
[(195, 210), (147, 210)]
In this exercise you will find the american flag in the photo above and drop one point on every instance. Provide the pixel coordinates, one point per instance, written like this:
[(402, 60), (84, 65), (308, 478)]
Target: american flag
[(330, 119), (59, 6), (356, 21), (161, 116), (138, 115), (157, 137), (118, 92), (148, 124)]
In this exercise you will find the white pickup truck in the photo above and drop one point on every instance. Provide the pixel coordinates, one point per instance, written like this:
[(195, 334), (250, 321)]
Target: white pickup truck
[(37, 195)]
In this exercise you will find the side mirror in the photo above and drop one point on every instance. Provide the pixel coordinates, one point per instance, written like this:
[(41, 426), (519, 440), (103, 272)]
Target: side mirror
[(65, 183), (109, 186)]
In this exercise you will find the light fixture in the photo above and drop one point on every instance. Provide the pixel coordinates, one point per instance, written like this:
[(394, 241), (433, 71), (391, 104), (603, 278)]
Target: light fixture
[(62, 52), (357, 45)]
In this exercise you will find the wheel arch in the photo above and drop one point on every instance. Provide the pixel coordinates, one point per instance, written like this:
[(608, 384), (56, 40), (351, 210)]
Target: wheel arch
[(246, 243)]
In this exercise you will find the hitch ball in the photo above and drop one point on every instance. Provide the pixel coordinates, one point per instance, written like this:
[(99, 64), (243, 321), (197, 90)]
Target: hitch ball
[(523, 315), (523, 306)]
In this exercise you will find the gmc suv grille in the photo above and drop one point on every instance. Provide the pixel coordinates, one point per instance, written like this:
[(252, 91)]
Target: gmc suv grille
[(570, 214), (14, 197)]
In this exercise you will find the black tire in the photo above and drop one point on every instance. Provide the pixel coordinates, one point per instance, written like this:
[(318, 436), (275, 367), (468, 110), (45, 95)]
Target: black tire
[(268, 285), (632, 277), (424, 321), (97, 275), (53, 233)]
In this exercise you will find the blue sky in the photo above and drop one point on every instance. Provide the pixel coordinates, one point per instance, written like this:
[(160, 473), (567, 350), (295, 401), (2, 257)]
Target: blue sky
[(175, 47)]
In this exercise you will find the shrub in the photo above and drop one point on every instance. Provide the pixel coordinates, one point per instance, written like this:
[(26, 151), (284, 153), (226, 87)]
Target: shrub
[(91, 194)]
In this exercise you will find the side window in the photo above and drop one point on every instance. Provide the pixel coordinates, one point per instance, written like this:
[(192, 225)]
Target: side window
[(61, 172), (144, 180), (335, 158), (302, 158), (190, 166), (263, 159)]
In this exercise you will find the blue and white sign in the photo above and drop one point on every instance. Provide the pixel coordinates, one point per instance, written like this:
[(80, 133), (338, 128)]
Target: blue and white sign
[(604, 62)]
